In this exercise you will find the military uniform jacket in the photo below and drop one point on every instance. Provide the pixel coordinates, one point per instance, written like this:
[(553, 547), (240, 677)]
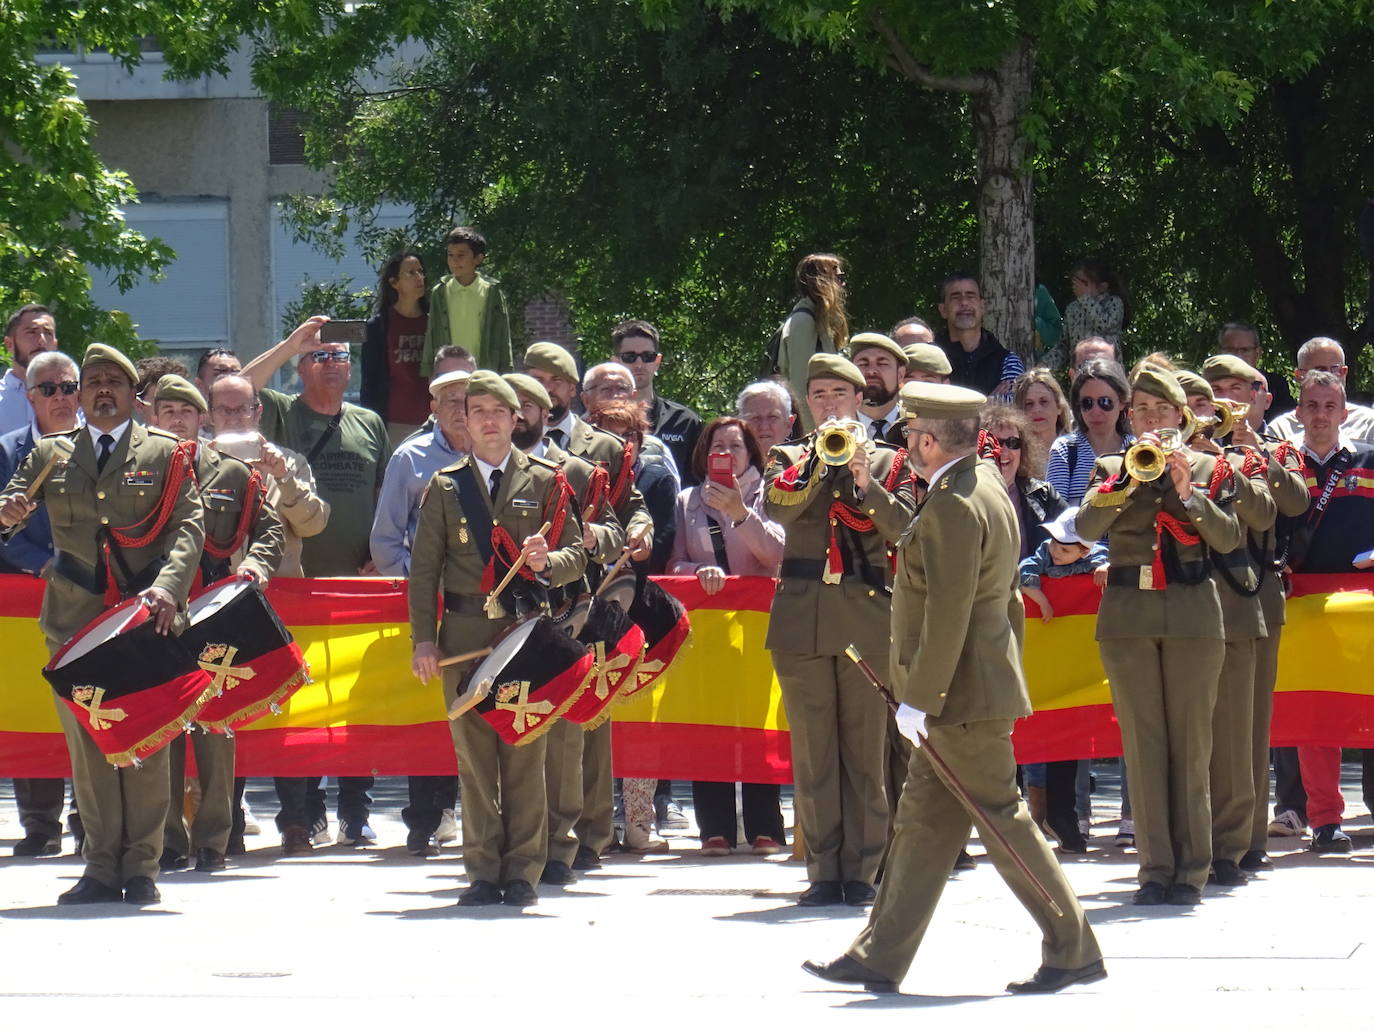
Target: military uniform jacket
[(1288, 488), (608, 451), (445, 558), (1237, 574), (223, 490), (957, 615), (610, 536), (809, 616), (1179, 610), (80, 500)]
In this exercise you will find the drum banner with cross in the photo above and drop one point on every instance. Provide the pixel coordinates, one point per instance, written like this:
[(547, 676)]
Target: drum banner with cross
[(537, 674)]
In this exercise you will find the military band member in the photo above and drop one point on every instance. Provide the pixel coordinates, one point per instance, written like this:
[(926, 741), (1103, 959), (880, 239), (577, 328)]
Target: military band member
[(505, 806), (833, 591), (1160, 633), (227, 489), (112, 484)]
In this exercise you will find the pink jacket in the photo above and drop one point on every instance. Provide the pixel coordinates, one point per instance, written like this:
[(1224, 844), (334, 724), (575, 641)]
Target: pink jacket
[(754, 548)]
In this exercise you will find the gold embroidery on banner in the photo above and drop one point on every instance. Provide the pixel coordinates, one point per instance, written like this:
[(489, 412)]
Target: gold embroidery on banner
[(602, 669), (89, 698), (524, 713), (226, 675)]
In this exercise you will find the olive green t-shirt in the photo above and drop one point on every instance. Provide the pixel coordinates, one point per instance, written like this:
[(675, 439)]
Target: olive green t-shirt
[(348, 472)]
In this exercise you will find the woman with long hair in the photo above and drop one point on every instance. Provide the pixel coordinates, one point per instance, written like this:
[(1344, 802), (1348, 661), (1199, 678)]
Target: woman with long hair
[(393, 344), (1037, 393), (817, 322)]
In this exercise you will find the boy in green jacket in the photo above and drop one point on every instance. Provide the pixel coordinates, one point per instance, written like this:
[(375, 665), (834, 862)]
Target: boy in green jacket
[(468, 309)]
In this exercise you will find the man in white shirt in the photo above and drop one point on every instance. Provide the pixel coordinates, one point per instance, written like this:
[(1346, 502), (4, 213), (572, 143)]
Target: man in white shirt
[(31, 330), (1322, 354)]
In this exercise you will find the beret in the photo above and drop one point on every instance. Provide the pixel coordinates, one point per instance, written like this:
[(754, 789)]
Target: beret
[(1160, 383), (105, 353), (530, 388), (483, 381), (1194, 385), (554, 359), (927, 358), (834, 366), (866, 341), (1224, 366), (172, 387)]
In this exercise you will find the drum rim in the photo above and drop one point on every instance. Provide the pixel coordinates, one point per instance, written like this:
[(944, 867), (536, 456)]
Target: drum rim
[(138, 614), (237, 585)]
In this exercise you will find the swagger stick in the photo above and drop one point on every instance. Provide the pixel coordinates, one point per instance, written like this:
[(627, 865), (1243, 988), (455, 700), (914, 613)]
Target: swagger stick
[(953, 783), (493, 603)]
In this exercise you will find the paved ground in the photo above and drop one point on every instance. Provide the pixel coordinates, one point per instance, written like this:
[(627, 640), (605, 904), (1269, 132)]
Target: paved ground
[(668, 941)]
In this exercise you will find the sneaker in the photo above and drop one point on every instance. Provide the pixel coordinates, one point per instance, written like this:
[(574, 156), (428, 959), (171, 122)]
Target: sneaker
[(715, 846), (642, 837), (319, 831), (361, 834), (448, 828), (763, 845), (668, 814), (1330, 838), (1287, 824), (250, 822), (1125, 834)]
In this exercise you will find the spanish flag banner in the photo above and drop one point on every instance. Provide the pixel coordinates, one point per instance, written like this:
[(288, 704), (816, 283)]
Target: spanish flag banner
[(717, 715)]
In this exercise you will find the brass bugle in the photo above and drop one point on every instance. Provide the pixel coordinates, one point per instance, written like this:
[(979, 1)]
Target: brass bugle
[(1146, 462), (1228, 414), (837, 441)]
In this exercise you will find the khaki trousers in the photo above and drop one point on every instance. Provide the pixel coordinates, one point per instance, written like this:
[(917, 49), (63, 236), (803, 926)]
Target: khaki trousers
[(932, 826), (1262, 713), (839, 729), (1164, 690), (215, 771), (563, 783), (595, 827), (1232, 765)]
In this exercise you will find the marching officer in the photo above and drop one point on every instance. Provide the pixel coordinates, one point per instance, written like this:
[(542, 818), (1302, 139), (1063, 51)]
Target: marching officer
[(228, 489), (500, 493), (112, 478), (833, 591)]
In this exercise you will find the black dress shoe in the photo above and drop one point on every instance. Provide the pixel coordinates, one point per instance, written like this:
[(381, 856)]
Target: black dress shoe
[(1255, 860), (1151, 893), (208, 860), (34, 845), (850, 971), (141, 891), (822, 893), (557, 872), (858, 893), (1051, 979), (964, 861), (1183, 895), (1227, 874), (480, 893), (586, 859), (421, 843), (86, 890), (519, 893), (172, 860)]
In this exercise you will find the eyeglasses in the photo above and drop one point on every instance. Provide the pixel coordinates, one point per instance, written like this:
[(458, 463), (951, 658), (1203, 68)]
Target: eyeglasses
[(1010, 442), (630, 357), (1107, 404), (320, 357), (236, 412), (68, 388), (910, 432)]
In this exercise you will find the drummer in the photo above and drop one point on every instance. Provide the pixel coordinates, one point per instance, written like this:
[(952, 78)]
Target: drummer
[(498, 494), (604, 538), (227, 488), (114, 480)]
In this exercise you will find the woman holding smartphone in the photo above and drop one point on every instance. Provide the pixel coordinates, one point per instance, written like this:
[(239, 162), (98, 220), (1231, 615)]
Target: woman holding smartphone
[(721, 531)]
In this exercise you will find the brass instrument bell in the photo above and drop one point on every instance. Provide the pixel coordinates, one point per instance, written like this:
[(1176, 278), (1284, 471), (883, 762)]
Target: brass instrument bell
[(837, 440), (1146, 462)]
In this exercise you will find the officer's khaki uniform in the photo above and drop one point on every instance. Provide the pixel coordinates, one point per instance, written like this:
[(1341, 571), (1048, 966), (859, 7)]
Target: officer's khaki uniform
[(957, 621), (122, 810), (838, 722), (223, 482), (1237, 580), (1163, 651), (505, 808)]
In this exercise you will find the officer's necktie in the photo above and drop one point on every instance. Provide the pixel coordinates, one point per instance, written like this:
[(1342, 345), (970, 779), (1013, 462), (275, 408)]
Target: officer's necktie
[(557, 436), (876, 429), (494, 483), (107, 444)]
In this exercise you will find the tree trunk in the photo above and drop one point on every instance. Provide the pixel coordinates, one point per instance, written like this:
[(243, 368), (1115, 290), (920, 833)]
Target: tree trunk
[(1006, 202)]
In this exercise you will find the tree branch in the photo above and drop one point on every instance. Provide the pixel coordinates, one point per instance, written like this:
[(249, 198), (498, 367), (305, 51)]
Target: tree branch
[(903, 61)]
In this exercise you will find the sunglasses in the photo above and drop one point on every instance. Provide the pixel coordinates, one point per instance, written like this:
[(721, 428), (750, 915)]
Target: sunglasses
[(320, 357), (1107, 404), (630, 357), (67, 387), (1010, 442)]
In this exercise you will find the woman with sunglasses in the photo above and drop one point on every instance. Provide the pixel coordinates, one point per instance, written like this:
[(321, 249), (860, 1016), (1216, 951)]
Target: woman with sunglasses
[(1100, 427), (816, 324)]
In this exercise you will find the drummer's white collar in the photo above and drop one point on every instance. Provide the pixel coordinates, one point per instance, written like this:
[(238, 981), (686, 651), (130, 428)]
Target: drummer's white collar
[(567, 425), (118, 434), (486, 469), (540, 449)]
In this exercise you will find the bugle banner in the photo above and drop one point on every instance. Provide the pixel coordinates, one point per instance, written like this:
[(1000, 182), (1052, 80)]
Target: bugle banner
[(717, 715)]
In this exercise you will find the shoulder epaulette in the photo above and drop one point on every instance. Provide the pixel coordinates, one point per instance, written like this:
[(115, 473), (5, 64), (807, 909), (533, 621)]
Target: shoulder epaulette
[(153, 431), (537, 460)]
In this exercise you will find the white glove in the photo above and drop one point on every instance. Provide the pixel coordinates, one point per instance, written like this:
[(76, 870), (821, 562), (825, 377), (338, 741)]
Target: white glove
[(911, 723)]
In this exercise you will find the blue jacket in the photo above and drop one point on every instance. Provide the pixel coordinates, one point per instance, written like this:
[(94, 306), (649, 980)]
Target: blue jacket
[(28, 550)]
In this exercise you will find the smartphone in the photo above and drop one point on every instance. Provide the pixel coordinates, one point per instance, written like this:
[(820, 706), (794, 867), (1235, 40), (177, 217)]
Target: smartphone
[(246, 447), (343, 331), (720, 468)]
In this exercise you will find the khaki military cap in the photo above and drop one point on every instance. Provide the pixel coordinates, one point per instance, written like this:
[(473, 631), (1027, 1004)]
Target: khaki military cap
[(1225, 366), (485, 382), (529, 387), (834, 366), (1194, 385), (1160, 383), (928, 358), (438, 383), (864, 341), (553, 359), (172, 387), (105, 353), (940, 401)]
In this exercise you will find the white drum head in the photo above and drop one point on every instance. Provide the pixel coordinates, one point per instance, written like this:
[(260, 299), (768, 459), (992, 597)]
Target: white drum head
[(208, 603), (111, 625)]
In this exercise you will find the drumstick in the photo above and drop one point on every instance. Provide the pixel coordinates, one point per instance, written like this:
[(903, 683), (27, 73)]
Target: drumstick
[(463, 703), (42, 475), (453, 660), (492, 598), (956, 787), (610, 573)]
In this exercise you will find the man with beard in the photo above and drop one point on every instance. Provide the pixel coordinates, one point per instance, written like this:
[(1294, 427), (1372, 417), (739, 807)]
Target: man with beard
[(977, 358), (883, 364), (31, 330)]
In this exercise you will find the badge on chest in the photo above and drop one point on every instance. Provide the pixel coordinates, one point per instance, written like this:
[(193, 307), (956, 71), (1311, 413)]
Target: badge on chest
[(140, 478)]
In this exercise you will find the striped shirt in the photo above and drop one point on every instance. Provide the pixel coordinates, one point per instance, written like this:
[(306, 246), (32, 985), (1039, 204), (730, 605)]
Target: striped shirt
[(1072, 484)]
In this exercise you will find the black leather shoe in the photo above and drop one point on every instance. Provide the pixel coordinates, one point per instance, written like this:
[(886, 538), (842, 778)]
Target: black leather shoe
[(1151, 893), (421, 843), (1255, 860), (965, 861), (1051, 979), (480, 893), (86, 890), (208, 860), (850, 971), (172, 860), (858, 893), (822, 893), (557, 872), (519, 893), (1184, 895), (141, 891), (34, 845), (586, 859), (1227, 874)]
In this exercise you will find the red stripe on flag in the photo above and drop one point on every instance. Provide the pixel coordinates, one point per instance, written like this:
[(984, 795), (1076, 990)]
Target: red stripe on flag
[(692, 751), (1081, 732)]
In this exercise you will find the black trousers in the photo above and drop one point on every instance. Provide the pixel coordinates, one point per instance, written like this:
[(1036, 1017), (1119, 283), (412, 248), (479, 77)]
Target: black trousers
[(429, 797), (1061, 789), (1288, 790), (39, 801), (302, 801), (714, 802)]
